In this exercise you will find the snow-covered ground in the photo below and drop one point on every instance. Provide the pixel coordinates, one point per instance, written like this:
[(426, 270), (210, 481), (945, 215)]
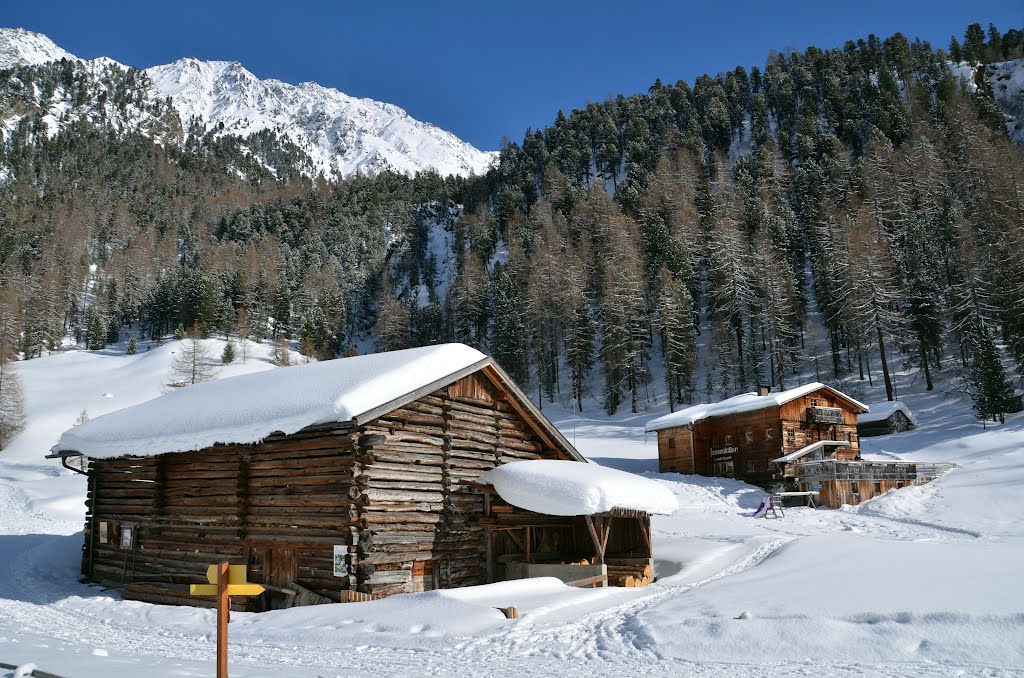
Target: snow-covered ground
[(923, 581)]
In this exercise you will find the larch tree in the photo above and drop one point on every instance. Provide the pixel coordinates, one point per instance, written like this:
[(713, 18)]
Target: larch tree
[(12, 399), (192, 362)]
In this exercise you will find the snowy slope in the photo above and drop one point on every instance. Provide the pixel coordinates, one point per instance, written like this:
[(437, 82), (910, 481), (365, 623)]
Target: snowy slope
[(1007, 80), (340, 134), (26, 48), (922, 581)]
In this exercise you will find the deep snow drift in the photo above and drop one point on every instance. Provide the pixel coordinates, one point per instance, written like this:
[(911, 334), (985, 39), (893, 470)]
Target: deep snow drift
[(922, 581)]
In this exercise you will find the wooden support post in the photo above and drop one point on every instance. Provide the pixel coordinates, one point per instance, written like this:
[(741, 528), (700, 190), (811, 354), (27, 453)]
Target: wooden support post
[(644, 527), (223, 610), (598, 546), (489, 537)]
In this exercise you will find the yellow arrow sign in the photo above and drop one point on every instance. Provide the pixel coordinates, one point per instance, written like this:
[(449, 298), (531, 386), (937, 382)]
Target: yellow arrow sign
[(236, 574), (233, 589)]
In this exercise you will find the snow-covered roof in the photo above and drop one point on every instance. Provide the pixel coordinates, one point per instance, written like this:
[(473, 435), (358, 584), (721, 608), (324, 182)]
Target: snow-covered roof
[(883, 410), (803, 451), (248, 408), (571, 488), (745, 402)]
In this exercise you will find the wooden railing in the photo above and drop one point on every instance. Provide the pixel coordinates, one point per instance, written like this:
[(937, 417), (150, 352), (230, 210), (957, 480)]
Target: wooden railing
[(829, 469)]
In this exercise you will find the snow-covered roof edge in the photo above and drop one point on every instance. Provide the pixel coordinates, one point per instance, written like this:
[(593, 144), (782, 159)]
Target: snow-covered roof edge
[(745, 402), (568, 488), (124, 433), (884, 410)]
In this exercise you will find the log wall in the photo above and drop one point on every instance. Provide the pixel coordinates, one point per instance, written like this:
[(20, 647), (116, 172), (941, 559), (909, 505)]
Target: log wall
[(278, 507)]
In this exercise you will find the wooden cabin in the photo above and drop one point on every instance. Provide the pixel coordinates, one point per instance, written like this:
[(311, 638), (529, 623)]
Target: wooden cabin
[(333, 481), (742, 436), (885, 418)]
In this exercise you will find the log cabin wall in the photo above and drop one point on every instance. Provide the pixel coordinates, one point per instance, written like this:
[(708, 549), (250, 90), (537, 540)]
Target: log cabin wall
[(798, 432), (419, 512), (675, 450), (279, 507), (835, 493)]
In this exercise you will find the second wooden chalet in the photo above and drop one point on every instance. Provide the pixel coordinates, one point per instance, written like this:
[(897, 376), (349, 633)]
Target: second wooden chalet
[(344, 480), (741, 437)]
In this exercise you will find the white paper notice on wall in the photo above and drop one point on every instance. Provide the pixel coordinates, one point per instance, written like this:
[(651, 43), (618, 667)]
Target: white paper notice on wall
[(126, 536), (103, 532), (340, 561)]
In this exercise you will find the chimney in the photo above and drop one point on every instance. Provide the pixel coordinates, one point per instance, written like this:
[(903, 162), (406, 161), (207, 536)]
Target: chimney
[(763, 390)]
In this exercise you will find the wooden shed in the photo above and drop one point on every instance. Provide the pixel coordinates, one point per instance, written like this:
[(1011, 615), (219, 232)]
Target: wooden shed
[(885, 418), (333, 481)]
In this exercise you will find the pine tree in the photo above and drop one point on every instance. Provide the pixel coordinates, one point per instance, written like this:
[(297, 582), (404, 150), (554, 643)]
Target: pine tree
[(228, 355), (991, 392), (675, 324), (508, 338), (132, 347)]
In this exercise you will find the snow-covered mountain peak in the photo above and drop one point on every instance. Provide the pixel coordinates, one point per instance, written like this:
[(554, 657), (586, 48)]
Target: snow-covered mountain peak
[(341, 135), (21, 47)]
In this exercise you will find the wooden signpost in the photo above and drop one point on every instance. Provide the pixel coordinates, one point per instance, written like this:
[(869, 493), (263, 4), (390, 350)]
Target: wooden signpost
[(226, 580)]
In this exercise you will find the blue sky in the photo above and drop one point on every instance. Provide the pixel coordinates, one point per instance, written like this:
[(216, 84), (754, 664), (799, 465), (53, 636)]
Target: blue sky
[(485, 69)]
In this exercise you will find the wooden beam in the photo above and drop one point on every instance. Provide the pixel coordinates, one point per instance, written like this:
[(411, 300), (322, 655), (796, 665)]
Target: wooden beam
[(598, 547)]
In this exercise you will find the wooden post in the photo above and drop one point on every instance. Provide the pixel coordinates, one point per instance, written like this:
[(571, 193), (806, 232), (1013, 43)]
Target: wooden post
[(223, 610)]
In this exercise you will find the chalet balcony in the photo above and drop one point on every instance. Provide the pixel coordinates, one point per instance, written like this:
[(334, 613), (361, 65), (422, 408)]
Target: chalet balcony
[(855, 471), (824, 415)]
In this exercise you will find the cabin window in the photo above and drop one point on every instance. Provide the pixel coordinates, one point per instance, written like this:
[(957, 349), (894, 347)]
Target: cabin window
[(855, 489), (672, 443), (769, 434), (749, 435), (750, 467), (724, 468), (814, 403), (791, 436), (878, 489), (728, 441)]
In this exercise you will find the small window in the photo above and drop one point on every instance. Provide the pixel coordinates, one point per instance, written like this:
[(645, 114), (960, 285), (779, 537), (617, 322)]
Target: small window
[(855, 489), (791, 436), (672, 443), (814, 403), (878, 489), (769, 434), (728, 441), (749, 435), (751, 467)]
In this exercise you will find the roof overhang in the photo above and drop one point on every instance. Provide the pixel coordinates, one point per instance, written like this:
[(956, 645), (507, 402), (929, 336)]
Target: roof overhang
[(803, 451)]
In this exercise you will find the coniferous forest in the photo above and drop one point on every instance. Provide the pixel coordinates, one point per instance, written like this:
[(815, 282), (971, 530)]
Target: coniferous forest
[(848, 211)]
